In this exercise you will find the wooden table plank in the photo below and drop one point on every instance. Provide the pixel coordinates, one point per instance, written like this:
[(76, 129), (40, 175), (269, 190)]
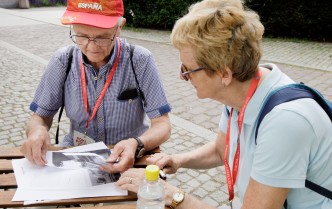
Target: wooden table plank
[(10, 153), (123, 206), (15, 153), (8, 181), (6, 166), (7, 196)]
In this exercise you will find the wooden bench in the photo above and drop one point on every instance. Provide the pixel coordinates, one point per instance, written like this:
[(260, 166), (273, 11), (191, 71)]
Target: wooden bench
[(8, 185)]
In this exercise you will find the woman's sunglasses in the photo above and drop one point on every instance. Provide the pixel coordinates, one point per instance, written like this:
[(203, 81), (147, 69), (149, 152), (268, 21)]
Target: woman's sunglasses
[(185, 72)]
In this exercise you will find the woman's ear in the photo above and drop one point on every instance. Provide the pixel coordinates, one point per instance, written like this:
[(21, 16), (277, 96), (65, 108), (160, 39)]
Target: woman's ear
[(226, 76)]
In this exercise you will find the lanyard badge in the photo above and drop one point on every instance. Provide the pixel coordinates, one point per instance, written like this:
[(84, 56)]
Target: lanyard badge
[(82, 139)]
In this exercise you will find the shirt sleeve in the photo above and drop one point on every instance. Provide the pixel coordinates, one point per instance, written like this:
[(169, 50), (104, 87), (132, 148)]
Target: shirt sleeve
[(48, 95), (150, 83), (281, 157)]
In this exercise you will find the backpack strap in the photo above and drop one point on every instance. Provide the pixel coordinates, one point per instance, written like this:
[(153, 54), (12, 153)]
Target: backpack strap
[(319, 189), (70, 58), (292, 92), (140, 93)]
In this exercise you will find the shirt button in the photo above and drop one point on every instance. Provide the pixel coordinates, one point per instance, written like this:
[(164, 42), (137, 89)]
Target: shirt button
[(100, 119)]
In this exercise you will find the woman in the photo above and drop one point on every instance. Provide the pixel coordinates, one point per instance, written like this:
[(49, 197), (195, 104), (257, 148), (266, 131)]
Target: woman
[(219, 45)]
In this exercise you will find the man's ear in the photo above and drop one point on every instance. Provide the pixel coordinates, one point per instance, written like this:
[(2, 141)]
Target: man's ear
[(123, 23)]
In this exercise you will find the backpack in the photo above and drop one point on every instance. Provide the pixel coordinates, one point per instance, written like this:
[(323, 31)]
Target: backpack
[(292, 92)]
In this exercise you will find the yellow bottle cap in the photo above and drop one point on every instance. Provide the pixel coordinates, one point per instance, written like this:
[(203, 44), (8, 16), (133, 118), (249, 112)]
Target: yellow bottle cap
[(152, 172)]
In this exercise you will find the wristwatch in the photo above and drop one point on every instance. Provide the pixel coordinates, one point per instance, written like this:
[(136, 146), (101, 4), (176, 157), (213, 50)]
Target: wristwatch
[(178, 197), (140, 148)]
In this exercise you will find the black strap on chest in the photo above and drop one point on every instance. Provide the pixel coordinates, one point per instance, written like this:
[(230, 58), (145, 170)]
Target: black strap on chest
[(70, 58), (140, 93)]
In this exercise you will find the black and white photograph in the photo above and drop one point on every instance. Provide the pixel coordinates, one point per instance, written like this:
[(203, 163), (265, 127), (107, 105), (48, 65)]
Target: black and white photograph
[(90, 160), (72, 160)]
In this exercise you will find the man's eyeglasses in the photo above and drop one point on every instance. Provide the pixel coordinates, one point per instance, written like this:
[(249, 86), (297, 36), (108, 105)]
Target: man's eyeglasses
[(185, 72), (84, 40)]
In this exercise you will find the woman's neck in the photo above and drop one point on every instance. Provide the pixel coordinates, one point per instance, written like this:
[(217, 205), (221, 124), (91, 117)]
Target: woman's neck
[(237, 91)]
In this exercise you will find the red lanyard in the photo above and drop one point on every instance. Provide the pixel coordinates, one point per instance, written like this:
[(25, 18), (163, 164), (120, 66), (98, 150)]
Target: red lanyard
[(103, 91), (231, 179)]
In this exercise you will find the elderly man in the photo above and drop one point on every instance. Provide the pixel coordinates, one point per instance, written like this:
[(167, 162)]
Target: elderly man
[(107, 93)]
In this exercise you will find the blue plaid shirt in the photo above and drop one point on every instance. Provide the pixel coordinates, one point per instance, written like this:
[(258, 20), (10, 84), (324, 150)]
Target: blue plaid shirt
[(115, 119)]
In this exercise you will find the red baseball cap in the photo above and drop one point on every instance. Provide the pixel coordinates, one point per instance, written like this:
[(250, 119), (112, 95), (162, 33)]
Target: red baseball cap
[(97, 13)]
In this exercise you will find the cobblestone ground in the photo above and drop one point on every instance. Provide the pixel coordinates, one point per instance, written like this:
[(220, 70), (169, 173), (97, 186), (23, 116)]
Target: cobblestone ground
[(25, 50)]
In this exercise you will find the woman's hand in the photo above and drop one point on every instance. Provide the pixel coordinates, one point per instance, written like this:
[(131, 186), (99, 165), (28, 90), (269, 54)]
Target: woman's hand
[(132, 178), (168, 163)]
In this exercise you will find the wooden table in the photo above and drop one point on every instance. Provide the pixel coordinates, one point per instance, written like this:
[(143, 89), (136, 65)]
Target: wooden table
[(8, 185)]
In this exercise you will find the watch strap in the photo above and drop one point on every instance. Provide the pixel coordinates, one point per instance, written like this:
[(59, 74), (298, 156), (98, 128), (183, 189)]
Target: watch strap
[(140, 146), (173, 205)]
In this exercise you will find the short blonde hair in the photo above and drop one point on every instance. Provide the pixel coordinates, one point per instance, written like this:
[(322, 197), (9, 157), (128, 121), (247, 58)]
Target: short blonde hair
[(222, 34)]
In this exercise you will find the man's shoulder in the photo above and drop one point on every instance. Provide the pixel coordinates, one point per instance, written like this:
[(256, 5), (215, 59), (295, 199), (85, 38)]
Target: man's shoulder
[(62, 52), (137, 49)]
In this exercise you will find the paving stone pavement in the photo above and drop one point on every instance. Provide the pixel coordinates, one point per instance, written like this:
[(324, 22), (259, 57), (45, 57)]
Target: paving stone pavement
[(29, 37)]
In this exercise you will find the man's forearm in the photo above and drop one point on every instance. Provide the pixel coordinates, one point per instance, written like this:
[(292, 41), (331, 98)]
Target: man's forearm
[(38, 122), (159, 132)]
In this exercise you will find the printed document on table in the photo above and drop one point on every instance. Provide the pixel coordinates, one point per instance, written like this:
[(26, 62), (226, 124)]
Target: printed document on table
[(50, 183)]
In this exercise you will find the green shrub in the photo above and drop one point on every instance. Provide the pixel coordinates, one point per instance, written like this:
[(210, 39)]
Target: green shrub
[(305, 19), (155, 14)]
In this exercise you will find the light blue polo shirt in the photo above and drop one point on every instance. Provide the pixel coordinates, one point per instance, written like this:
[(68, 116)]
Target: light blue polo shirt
[(294, 143)]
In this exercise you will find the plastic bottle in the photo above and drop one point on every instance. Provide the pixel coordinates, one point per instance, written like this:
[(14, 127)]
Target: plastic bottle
[(151, 194)]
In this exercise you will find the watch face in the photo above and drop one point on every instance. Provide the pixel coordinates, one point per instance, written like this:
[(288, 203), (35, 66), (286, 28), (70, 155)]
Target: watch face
[(178, 196), (140, 153)]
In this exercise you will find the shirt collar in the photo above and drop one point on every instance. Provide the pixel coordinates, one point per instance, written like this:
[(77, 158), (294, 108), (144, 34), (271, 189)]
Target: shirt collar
[(256, 102)]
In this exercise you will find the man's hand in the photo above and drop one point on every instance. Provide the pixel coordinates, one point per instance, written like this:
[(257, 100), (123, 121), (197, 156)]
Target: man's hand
[(167, 163), (36, 145), (122, 157)]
